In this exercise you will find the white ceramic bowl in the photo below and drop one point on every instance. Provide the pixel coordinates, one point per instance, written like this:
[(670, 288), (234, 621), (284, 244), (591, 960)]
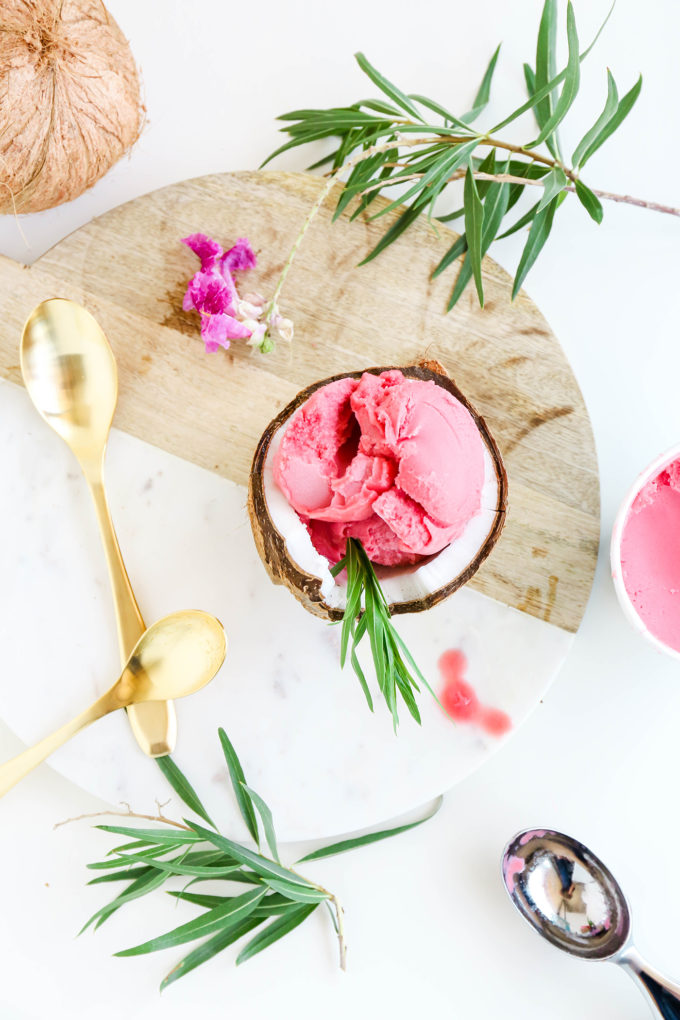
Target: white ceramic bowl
[(629, 610)]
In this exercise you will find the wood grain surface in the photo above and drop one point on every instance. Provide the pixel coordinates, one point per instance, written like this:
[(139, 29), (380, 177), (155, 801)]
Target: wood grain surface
[(129, 269)]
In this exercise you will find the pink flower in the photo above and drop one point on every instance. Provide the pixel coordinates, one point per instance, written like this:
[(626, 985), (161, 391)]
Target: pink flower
[(225, 314), (212, 291)]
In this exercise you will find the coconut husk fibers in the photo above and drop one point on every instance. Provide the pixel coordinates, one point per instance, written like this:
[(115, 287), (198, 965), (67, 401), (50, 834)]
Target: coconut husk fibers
[(70, 101), (271, 544)]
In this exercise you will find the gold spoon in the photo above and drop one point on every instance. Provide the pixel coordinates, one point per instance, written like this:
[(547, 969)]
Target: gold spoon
[(175, 657), (70, 373)]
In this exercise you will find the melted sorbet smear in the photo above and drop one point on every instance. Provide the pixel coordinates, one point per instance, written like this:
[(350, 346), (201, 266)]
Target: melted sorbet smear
[(650, 555), (461, 702)]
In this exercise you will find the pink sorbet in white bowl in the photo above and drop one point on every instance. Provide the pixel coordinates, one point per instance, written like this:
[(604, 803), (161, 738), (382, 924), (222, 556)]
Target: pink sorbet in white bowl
[(645, 553)]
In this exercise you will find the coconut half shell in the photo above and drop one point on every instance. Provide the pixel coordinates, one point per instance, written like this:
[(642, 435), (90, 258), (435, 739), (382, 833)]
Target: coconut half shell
[(286, 549)]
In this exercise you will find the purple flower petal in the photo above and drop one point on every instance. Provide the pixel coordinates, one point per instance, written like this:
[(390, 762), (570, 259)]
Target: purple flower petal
[(240, 257), (207, 250)]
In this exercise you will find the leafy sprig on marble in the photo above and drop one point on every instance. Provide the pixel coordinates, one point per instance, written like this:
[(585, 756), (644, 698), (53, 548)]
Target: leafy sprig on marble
[(277, 899), (394, 141), (367, 613)]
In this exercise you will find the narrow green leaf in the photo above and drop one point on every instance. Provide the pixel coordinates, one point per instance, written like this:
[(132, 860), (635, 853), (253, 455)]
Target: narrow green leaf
[(231, 913), (589, 137), (210, 948), (172, 837), (371, 837), (553, 183), (199, 899), (431, 104), (589, 201), (614, 122), (484, 91), (238, 782), (356, 665), (121, 861), (291, 144), (455, 215), (474, 213), (182, 787), (124, 875), (139, 887), (459, 247), (521, 222), (390, 90), (571, 82), (297, 892), (538, 235), (268, 907), (342, 114), (380, 106), (495, 207), (260, 865), (275, 931), (267, 820), (406, 686), (546, 64), (396, 230), (529, 79), (176, 867)]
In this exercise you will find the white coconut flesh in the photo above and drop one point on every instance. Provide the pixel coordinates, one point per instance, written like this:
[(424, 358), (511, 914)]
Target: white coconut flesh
[(400, 584)]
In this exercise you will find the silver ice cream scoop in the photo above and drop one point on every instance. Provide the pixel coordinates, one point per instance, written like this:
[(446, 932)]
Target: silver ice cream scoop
[(568, 895)]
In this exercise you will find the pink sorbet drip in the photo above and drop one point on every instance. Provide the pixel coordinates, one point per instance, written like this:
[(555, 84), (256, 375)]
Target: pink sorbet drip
[(397, 463), (650, 555), (461, 702)]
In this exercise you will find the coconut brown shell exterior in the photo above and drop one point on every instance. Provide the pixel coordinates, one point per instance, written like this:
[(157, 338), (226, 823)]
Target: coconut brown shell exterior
[(271, 544), (70, 102)]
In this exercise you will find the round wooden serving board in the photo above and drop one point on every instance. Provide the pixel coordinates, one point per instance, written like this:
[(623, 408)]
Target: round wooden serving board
[(130, 270), (299, 723)]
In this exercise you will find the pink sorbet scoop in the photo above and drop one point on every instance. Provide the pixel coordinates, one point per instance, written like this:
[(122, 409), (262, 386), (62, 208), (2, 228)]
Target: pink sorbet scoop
[(397, 463), (650, 555)]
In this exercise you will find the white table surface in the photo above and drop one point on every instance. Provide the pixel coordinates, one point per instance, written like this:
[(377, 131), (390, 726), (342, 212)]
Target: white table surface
[(429, 925)]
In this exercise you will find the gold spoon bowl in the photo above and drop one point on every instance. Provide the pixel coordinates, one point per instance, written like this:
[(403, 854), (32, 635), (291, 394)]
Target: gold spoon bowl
[(175, 657)]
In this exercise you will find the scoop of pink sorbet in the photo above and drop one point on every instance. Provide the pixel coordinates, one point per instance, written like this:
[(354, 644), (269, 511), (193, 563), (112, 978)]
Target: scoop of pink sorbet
[(397, 463)]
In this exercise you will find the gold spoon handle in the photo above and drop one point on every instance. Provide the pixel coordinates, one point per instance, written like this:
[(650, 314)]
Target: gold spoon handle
[(16, 768), (154, 723), (128, 617)]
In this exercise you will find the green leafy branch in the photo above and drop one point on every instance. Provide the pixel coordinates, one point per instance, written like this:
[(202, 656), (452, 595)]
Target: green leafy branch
[(367, 612), (276, 899), (393, 140)]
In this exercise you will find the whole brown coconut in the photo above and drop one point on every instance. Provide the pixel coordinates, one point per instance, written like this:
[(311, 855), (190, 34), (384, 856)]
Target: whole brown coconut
[(69, 100), (403, 595)]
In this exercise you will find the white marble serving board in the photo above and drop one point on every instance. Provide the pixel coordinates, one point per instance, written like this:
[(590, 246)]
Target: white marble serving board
[(307, 741)]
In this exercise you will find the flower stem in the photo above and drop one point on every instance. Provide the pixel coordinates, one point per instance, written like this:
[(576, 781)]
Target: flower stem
[(298, 240)]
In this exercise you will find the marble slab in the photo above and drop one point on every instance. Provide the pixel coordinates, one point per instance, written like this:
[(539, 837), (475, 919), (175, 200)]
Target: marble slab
[(307, 741)]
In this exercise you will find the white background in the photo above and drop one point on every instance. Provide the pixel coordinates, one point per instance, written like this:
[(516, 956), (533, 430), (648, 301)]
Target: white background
[(429, 926)]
